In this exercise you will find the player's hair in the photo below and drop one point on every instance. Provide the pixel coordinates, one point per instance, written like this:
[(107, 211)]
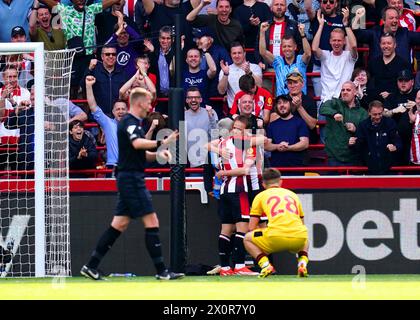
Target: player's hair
[(246, 83), (271, 175), (138, 93), (375, 104)]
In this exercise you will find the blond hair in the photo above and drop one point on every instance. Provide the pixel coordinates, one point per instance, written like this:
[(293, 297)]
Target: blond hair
[(138, 93)]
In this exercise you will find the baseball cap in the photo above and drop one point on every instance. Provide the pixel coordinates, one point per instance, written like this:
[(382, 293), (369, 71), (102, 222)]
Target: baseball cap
[(18, 31), (295, 76), (203, 32), (405, 74)]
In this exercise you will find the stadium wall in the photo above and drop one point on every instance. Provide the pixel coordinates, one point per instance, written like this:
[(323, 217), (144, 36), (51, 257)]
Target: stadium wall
[(354, 223)]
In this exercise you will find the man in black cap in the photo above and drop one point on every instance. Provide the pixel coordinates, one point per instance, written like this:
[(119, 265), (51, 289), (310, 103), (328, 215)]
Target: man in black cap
[(18, 34), (397, 106)]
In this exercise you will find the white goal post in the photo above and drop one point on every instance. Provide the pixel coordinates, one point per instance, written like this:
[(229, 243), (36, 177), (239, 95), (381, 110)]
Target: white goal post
[(34, 201)]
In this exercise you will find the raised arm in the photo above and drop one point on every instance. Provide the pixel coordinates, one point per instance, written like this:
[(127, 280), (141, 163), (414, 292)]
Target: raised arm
[(307, 52), (351, 39), (126, 86), (211, 72), (309, 9), (90, 81), (315, 42), (108, 3), (267, 55), (194, 13), (50, 3), (148, 5), (223, 81), (33, 19)]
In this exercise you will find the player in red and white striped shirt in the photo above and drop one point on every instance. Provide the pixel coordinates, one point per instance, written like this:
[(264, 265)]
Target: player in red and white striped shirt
[(238, 158)]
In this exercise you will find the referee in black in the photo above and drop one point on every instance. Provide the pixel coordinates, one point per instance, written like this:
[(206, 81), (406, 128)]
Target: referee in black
[(134, 200)]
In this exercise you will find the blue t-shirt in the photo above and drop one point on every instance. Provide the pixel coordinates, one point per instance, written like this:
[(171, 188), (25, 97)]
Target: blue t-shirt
[(109, 126), (15, 14), (289, 131), (282, 69), (199, 80)]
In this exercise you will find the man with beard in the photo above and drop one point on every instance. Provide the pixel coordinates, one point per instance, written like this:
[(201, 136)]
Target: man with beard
[(41, 30), (398, 106), (289, 134), (343, 116), (225, 29), (199, 123)]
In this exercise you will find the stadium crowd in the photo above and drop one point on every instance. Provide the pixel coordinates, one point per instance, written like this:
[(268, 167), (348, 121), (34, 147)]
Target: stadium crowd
[(308, 73)]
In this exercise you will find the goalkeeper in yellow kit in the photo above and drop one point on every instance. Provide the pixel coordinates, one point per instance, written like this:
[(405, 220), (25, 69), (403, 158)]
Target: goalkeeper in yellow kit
[(285, 230)]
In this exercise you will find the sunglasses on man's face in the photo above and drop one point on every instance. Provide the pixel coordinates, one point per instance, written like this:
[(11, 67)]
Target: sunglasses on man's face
[(108, 54), (328, 1)]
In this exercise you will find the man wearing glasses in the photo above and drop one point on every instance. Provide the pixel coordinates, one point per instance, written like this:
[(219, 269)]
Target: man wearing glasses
[(109, 78)]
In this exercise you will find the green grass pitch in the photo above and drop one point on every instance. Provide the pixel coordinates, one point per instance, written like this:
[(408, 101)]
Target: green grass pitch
[(215, 288)]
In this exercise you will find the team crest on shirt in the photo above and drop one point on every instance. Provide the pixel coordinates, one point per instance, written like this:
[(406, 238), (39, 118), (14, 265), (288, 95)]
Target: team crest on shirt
[(131, 129), (250, 151)]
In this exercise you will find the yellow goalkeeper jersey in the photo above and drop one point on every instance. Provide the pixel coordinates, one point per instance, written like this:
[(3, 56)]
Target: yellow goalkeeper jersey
[(284, 211)]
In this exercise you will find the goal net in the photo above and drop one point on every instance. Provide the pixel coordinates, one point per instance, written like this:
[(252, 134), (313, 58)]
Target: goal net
[(34, 188)]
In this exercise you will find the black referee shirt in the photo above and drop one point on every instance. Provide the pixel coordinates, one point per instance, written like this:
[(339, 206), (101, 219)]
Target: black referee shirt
[(130, 159)]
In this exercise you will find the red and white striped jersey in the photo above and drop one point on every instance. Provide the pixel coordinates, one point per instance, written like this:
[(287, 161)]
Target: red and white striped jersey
[(415, 141), (240, 150), (129, 8), (277, 31), (407, 20)]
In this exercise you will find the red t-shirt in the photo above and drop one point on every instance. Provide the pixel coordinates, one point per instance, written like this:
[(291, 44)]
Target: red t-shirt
[(262, 99)]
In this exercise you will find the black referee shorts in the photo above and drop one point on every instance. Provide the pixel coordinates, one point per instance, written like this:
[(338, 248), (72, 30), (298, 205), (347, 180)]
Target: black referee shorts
[(134, 200)]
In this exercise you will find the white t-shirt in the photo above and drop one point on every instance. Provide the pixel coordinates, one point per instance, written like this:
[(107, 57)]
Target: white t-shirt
[(335, 70), (235, 73)]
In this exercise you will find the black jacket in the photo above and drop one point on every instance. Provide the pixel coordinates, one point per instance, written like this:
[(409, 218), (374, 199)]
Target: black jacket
[(88, 162), (372, 141)]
